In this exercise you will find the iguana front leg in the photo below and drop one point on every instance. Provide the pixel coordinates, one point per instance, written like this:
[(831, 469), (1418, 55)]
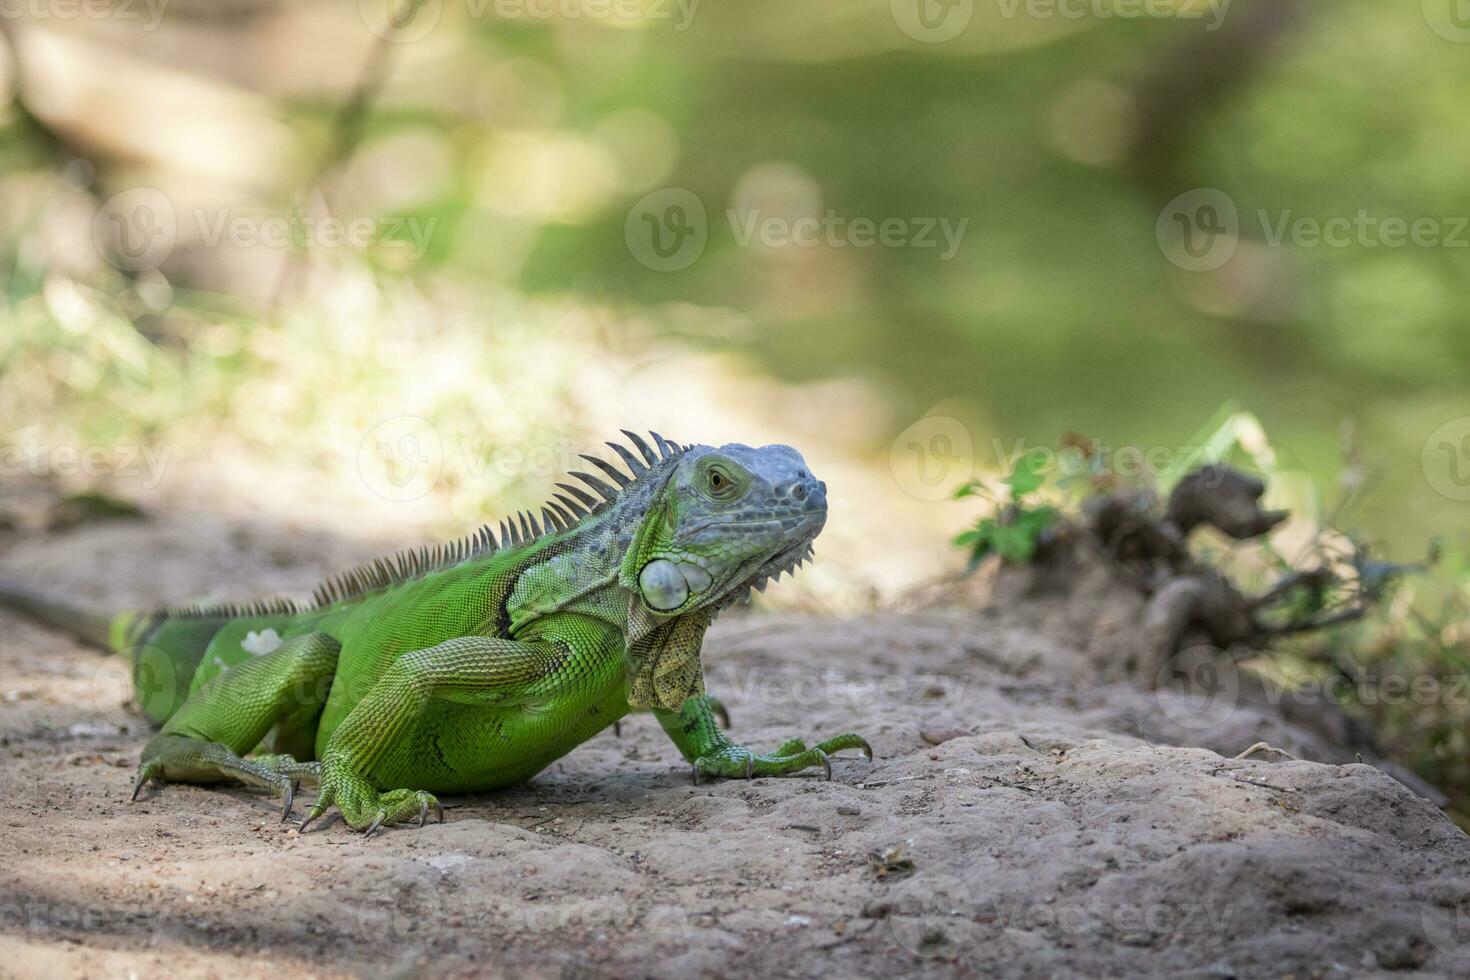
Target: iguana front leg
[(704, 745), (715, 705), (228, 716), (469, 669)]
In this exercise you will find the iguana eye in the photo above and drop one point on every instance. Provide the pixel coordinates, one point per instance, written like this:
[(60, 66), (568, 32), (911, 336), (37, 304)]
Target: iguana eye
[(721, 480)]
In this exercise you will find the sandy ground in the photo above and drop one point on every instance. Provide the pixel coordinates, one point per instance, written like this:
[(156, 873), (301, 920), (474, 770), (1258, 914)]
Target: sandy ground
[(1062, 826)]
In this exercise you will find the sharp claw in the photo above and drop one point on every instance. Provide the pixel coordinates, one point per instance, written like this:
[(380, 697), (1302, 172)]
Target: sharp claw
[(749, 765), (867, 750), (377, 822), (143, 777), (826, 763), (617, 729), (694, 772), (312, 815), (290, 795), (439, 811), (423, 812)]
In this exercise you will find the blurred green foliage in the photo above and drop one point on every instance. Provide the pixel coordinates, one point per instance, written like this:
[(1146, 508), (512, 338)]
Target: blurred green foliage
[(1058, 140), (1014, 531)]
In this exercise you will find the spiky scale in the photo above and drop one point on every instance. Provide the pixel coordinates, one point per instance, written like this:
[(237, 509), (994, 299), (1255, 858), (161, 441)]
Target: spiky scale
[(589, 501), (608, 493), (634, 464), (576, 509), (648, 454), (614, 474)]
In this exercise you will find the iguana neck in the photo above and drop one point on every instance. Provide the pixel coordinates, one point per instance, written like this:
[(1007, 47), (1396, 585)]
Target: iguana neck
[(578, 573)]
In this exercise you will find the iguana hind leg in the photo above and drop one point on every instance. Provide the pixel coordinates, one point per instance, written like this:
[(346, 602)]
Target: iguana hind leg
[(469, 669), (230, 715)]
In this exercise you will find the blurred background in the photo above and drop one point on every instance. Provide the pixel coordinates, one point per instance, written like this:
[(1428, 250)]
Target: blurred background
[(386, 267)]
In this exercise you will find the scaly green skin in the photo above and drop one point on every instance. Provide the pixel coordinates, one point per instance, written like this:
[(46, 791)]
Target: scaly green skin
[(475, 667)]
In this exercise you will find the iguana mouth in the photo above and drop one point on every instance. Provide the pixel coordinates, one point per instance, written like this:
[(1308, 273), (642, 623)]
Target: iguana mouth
[(763, 571)]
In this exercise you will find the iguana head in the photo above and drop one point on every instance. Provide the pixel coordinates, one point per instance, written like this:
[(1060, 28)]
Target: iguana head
[(726, 520)]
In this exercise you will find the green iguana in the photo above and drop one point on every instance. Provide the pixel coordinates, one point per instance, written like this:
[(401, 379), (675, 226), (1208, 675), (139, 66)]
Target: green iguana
[(474, 665)]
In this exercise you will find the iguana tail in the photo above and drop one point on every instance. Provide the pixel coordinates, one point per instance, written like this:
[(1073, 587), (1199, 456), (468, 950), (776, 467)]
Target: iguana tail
[(163, 650), (100, 630)]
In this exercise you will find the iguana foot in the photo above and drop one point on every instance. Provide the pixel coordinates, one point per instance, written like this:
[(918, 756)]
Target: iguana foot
[(170, 757), (363, 807), (791, 756)]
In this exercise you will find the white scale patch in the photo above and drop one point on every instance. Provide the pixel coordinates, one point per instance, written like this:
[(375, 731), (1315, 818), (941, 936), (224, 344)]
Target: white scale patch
[(259, 644)]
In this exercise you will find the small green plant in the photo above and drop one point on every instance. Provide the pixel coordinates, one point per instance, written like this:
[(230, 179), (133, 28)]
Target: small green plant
[(1014, 531)]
